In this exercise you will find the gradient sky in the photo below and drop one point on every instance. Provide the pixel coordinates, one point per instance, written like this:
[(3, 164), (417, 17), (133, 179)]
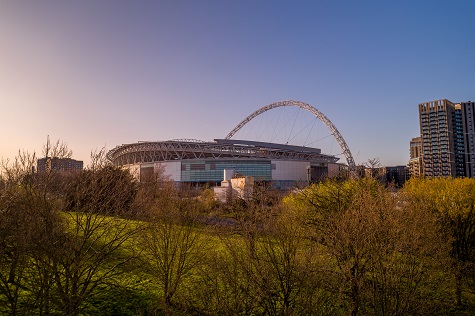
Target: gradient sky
[(105, 73)]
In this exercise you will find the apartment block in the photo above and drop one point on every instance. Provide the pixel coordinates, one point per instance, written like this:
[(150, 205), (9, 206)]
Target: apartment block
[(468, 124), (63, 165), (446, 142)]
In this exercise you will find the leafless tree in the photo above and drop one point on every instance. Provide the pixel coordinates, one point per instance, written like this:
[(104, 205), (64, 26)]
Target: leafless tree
[(172, 243), (89, 251), (27, 215), (286, 268)]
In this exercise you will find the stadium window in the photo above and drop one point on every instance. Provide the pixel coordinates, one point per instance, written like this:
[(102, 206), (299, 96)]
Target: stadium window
[(200, 166)]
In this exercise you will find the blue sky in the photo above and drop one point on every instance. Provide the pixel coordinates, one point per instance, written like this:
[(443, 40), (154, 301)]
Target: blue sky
[(104, 73)]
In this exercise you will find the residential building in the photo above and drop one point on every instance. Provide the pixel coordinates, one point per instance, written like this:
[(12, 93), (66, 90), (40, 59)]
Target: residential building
[(468, 122), (415, 157), (437, 132), (65, 165), (447, 140), (397, 175)]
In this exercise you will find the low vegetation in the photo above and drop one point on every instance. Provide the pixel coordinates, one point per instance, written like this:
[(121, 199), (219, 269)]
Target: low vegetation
[(100, 243)]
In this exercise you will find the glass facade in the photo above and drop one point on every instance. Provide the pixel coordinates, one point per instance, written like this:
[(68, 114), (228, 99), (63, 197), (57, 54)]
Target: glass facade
[(213, 170)]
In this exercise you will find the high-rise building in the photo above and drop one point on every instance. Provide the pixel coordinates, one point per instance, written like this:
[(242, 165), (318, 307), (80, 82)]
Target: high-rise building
[(468, 122), (436, 123), (447, 140)]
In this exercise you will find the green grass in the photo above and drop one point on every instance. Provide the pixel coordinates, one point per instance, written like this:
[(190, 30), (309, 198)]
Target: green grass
[(135, 292)]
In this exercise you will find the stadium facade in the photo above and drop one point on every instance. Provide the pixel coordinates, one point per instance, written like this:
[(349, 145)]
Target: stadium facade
[(193, 161), (196, 161)]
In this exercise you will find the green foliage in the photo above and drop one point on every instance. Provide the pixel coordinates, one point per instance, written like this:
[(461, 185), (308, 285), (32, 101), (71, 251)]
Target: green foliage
[(336, 247), (325, 198), (380, 257), (453, 202)]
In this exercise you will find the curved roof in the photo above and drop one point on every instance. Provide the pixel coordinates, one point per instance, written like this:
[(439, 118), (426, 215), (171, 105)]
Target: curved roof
[(219, 149)]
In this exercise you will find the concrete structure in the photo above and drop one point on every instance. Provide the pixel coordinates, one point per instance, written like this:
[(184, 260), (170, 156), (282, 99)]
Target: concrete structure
[(467, 110), (195, 161), (242, 186), (447, 139), (437, 120), (63, 165), (234, 186), (415, 157), (224, 191)]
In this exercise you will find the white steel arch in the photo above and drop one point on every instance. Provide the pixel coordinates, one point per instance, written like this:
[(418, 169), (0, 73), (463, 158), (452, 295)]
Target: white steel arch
[(336, 134)]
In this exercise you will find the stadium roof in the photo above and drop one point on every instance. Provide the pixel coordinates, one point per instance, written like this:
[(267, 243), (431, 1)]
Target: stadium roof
[(142, 152)]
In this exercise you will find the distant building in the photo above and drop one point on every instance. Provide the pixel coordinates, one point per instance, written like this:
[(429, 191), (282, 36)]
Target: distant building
[(65, 165), (234, 185), (415, 157), (397, 175), (468, 121), (447, 139)]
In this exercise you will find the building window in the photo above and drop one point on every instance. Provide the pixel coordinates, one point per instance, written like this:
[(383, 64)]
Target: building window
[(200, 166)]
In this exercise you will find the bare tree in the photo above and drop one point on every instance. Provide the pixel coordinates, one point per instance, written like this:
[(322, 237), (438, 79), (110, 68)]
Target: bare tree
[(27, 215), (14, 244), (285, 267), (172, 244), (52, 258), (89, 251), (272, 270)]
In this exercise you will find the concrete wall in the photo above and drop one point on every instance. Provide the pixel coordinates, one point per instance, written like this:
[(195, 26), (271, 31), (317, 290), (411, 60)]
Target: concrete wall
[(290, 170)]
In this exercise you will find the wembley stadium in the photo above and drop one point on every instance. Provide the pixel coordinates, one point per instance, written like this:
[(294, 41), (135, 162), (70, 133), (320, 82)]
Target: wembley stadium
[(194, 161)]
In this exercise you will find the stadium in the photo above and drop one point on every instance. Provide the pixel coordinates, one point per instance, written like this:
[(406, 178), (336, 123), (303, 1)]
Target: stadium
[(194, 161)]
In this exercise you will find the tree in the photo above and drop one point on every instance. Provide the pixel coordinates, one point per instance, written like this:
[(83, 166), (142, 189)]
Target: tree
[(52, 259), (109, 190), (382, 261), (88, 252), (287, 273), (452, 200), (266, 267), (408, 252), (172, 243), (15, 241), (28, 215)]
